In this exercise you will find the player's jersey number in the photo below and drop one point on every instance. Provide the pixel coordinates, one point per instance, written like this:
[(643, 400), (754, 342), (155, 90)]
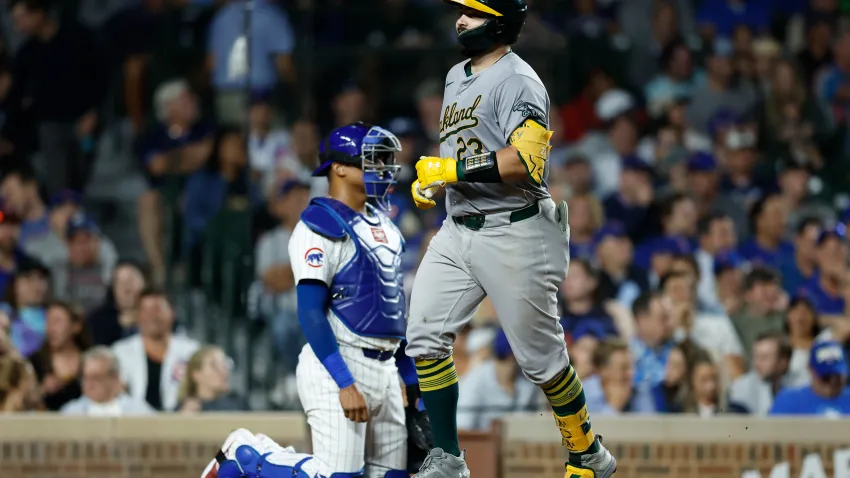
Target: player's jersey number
[(472, 145)]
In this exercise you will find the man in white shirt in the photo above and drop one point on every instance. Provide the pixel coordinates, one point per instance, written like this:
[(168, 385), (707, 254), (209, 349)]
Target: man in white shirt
[(102, 392)]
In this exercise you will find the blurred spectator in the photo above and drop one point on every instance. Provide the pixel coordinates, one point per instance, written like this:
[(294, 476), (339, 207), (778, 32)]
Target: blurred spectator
[(581, 346), (59, 361), (712, 332), (581, 301), (11, 254), (305, 144), (52, 249), (678, 79), (586, 216), (794, 187), (574, 178), (674, 391), (178, 146), (653, 26), (270, 45), (770, 372), (275, 273), (225, 184), (832, 85), (428, 97), (116, 317), (817, 49), (153, 362), (19, 191), (703, 179), (59, 81), (630, 204), (719, 19), (797, 269), (103, 395), (801, 325), (494, 388), (206, 384), (612, 389), (729, 276), (653, 341), (579, 115), (768, 219), (677, 215), (24, 303), (269, 147), (716, 237), (619, 278), (763, 307), (720, 90), (705, 386), (828, 394), (84, 279), (18, 386), (829, 287)]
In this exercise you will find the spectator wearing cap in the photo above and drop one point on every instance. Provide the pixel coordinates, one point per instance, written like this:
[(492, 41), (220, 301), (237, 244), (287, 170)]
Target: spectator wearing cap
[(799, 268), (84, 279), (581, 300), (178, 145), (586, 217), (678, 218), (703, 179), (827, 395), (24, 304), (225, 183), (619, 278), (719, 19), (678, 79), (494, 388), (719, 90), (612, 390), (803, 329), (630, 204), (716, 236), (275, 284), (729, 277), (794, 182), (653, 339), (618, 138), (19, 192), (828, 287), (115, 318), (763, 308), (60, 81), (52, 249), (12, 255), (271, 45), (768, 220), (660, 254), (269, 147)]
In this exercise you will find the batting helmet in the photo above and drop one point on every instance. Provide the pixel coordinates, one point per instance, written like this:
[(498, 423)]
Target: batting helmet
[(505, 19)]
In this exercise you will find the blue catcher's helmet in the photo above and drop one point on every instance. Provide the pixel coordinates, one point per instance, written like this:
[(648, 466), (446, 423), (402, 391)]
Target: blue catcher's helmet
[(370, 148)]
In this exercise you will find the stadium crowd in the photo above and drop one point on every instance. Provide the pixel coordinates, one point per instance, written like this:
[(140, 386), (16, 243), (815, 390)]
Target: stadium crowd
[(702, 147)]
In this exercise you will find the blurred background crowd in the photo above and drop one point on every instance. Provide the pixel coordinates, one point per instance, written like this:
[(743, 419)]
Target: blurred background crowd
[(156, 155)]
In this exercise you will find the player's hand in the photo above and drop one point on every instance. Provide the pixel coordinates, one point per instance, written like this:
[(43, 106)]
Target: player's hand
[(422, 195), (431, 169), (353, 404)]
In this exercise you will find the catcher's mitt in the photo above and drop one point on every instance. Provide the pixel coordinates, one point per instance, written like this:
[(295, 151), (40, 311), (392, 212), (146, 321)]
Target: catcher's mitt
[(419, 438)]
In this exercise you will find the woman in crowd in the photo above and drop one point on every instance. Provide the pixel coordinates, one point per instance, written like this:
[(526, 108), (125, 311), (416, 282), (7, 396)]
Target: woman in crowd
[(18, 385), (116, 318), (801, 325), (704, 382), (674, 392), (24, 303), (206, 385), (582, 302), (59, 362)]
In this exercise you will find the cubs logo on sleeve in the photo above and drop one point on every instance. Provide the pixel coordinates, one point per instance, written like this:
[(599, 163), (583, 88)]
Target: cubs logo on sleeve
[(315, 257)]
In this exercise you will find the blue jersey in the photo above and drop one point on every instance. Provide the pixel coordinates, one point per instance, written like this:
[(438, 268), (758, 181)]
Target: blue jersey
[(804, 401)]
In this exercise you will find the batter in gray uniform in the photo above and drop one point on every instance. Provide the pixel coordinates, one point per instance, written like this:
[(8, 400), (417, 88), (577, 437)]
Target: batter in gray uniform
[(505, 239)]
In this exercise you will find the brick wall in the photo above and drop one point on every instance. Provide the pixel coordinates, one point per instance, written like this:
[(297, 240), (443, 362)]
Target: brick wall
[(180, 447)]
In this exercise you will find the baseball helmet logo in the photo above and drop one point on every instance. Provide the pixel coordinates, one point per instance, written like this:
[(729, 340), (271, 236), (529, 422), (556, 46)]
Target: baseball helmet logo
[(315, 257)]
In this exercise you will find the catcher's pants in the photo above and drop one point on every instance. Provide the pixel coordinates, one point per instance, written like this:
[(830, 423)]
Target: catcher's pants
[(346, 447), (519, 265)]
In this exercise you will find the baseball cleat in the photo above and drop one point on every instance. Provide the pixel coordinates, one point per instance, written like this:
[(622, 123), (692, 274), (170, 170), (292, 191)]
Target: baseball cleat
[(439, 464), (601, 464)]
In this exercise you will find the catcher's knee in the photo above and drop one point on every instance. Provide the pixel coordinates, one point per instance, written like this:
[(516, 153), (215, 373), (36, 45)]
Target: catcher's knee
[(397, 474)]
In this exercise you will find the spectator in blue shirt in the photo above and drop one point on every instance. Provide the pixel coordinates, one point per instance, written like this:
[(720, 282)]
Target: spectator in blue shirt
[(20, 192), (718, 18), (586, 217), (799, 268), (826, 287), (630, 204), (581, 300), (827, 395), (271, 45), (653, 341), (678, 218), (619, 278), (768, 220)]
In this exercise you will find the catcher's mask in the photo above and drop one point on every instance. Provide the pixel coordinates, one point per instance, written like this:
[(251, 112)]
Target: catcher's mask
[(372, 149)]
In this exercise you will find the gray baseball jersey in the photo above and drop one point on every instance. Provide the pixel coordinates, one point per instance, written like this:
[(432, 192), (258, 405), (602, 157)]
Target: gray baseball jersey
[(480, 112)]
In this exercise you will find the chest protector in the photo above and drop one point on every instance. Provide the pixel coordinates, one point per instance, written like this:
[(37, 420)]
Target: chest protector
[(367, 294)]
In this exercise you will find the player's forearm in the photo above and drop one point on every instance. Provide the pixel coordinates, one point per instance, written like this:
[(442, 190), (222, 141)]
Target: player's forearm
[(312, 299), (406, 366)]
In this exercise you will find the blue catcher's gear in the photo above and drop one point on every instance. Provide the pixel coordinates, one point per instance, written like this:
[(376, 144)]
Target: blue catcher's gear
[(366, 294), (250, 463), (370, 148)]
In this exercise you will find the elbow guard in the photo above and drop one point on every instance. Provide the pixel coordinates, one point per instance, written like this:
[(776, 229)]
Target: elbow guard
[(532, 143)]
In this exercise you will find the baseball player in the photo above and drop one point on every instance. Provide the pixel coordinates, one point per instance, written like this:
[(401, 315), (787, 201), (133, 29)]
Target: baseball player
[(346, 256), (505, 238), (245, 455)]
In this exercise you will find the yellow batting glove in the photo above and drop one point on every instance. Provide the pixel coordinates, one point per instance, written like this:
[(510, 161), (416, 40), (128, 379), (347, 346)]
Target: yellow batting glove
[(431, 169), (422, 196)]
